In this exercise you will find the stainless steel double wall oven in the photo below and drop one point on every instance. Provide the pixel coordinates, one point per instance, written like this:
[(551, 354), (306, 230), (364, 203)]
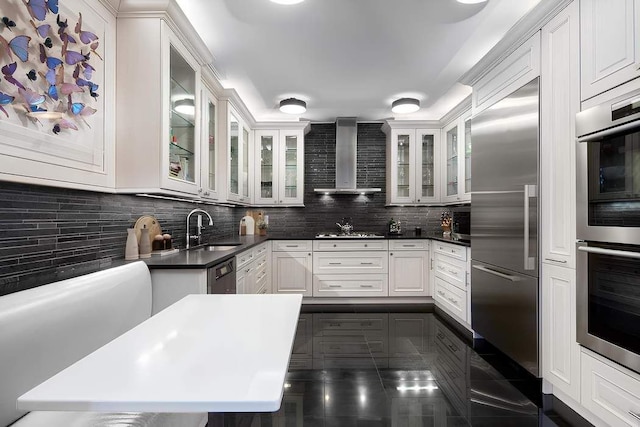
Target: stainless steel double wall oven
[(608, 228)]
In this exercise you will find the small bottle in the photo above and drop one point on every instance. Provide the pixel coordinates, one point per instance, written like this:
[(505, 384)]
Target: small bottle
[(243, 227), (145, 243)]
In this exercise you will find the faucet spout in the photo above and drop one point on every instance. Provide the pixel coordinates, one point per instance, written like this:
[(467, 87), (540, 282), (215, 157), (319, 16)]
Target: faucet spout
[(199, 235)]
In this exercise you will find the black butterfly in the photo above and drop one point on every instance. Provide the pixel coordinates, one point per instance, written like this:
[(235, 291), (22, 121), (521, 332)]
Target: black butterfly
[(8, 23), (48, 43), (32, 75), (61, 24), (56, 129)]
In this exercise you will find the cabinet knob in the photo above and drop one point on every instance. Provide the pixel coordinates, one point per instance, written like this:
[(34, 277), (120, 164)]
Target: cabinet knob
[(280, 201), (366, 246), (309, 254), (335, 246), (418, 199), (391, 254), (199, 190)]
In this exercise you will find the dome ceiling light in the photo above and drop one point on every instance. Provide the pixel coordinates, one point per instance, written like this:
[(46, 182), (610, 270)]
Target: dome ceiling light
[(293, 106), (405, 105), (287, 1), (185, 106), (467, 1)]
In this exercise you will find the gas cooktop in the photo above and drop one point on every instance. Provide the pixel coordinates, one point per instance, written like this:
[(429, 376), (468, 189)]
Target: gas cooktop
[(353, 235)]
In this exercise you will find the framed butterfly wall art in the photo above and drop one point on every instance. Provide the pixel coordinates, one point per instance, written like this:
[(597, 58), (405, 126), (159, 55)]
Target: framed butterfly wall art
[(57, 90)]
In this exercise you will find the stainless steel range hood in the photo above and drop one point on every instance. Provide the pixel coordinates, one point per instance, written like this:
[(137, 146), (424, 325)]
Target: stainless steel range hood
[(346, 160)]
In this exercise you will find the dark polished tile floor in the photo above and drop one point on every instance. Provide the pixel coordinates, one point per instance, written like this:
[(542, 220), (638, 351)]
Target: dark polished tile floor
[(355, 366)]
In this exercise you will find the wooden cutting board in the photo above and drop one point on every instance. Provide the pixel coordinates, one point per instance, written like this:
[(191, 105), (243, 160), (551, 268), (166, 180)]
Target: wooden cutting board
[(151, 223)]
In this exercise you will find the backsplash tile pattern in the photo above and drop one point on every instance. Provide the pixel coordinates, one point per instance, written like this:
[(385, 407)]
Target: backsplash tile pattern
[(48, 234), (368, 213)]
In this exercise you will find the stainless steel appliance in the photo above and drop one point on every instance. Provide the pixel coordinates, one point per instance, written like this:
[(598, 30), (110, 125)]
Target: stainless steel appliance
[(221, 278), (504, 226), (608, 228)]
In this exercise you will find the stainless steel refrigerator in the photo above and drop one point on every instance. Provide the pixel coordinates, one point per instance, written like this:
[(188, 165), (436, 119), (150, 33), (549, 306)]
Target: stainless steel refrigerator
[(504, 226)]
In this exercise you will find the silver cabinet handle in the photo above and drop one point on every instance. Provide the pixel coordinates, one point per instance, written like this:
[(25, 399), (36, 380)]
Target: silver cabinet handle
[(408, 246), (612, 252), (634, 415), (366, 263), (335, 286), (366, 286), (496, 273), (529, 192), (453, 301), (440, 293), (555, 260), (335, 263), (441, 268), (291, 246), (453, 272)]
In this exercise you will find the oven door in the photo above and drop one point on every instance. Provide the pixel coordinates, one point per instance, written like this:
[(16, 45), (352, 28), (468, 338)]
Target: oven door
[(608, 299)]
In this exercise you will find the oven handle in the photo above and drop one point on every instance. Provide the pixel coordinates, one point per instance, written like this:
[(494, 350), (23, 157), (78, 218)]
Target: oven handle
[(607, 132), (612, 252)]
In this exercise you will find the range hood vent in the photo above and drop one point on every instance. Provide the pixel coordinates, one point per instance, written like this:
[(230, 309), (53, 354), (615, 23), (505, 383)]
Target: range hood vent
[(346, 160)]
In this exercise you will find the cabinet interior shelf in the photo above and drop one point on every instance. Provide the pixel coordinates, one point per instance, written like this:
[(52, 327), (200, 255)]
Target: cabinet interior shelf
[(179, 120), (181, 151)]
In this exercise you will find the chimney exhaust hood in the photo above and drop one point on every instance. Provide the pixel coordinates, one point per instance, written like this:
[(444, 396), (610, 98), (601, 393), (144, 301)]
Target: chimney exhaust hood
[(346, 160)]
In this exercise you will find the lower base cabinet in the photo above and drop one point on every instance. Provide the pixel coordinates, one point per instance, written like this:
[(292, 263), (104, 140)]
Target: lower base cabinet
[(451, 292), (409, 272), (292, 264)]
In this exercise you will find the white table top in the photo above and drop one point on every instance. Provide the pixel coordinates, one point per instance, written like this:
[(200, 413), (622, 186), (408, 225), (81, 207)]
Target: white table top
[(205, 353)]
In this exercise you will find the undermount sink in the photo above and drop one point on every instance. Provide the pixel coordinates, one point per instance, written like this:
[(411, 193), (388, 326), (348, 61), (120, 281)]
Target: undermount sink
[(225, 247)]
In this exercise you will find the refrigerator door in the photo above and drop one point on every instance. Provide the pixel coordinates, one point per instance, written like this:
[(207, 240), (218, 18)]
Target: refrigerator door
[(505, 142), (504, 310), (504, 229)]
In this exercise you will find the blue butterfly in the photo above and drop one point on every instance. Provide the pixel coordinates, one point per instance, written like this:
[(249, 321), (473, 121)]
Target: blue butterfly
[(19, 45), (52, 62), (38, 8), (5, 100)]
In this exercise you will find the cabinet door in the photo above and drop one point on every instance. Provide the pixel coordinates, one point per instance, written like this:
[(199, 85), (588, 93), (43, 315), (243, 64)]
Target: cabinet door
[(181, 158), (610, 44), (267, 159), (450, 162), (560, 101), (427, 166), (465, 189), (560, 351), (246, 172), (292, 273), (291, 189), (409, 273), (402, 166), (241, 284), (208, 170), (238, 162)]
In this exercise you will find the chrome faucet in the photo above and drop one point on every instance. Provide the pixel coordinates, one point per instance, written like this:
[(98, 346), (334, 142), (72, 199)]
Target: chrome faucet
[(200, 226)]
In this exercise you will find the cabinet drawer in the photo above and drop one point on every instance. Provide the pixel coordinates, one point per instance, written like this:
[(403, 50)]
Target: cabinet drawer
[(448, 343), (342, 245), (291, 245), (261, 263), (608, 392), (350, 262), (452, 299), (332, 324), (408, 245), (261, 249), (244, 258), (335, 285), (451, 270), (454, 251)]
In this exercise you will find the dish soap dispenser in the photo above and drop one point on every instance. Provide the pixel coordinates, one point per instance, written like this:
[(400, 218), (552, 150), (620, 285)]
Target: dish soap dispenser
[(243, 227)]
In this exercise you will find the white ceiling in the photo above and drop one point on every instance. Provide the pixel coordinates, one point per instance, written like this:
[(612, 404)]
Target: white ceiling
[(350, 57)]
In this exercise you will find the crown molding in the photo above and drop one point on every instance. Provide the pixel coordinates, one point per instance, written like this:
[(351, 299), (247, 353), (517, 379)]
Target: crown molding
[(457, 111), (526, 27)]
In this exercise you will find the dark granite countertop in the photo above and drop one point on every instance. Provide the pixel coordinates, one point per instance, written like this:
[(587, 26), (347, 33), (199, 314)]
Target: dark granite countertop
[(199, 257)]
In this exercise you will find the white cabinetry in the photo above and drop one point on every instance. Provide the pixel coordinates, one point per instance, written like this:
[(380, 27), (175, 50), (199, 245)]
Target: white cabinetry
[(252, 270), (413, 168), (409, 268), (451, 280), (517, 69), (350, 268), (609, 44), (279, 166), (292, 267), (209, 171), (169, 286), (239, 174), (456, 160)]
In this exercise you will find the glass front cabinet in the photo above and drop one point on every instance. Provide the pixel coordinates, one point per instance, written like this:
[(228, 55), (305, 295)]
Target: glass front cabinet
[(209, 171), (412, 167), (239, 173), (456, 161), (279, 167)]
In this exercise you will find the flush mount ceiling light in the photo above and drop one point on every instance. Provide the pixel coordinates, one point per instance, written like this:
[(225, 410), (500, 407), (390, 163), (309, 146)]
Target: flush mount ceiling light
[(467, 1), (405, 105), (185, 106), (287, 1), (293, 106)]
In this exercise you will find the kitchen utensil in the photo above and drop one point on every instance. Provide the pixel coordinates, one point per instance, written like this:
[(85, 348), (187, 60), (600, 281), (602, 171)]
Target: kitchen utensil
[(151, 224)]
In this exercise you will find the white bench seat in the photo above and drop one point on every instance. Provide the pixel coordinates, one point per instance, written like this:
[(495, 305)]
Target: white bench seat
[(98, 419)]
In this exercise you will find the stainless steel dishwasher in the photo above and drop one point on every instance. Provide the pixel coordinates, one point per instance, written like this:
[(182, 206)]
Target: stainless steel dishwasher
[(221, 278)]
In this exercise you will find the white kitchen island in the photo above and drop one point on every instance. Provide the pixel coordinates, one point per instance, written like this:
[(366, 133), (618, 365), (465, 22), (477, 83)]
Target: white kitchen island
[(205, 353)]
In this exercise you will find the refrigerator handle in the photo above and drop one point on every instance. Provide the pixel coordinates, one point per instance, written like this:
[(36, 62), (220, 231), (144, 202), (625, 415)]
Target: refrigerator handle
[(496, 273), (529, 192)]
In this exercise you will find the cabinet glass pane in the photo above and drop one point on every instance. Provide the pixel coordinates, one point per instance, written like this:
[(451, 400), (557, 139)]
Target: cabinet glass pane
[(452, 162), (266, 167), (234, 156), (212, 145), (182, 162), (427, 165), (404, 150), (245, 162), (291, 167), (467, 156)]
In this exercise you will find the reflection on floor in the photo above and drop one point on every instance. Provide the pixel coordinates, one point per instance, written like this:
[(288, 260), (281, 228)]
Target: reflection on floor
[(365, 366)]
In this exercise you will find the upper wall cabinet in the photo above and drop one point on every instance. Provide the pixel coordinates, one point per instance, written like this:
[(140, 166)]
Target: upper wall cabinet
[(239, 158), (164, 118), (412, 163), (609, 44), (514, 71), (279, 166), (73, 150), (456, 160)]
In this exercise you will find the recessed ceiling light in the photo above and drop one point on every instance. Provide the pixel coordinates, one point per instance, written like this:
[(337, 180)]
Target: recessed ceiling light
[(405, 105), (293, 106), (287, 1), (467, 1)]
